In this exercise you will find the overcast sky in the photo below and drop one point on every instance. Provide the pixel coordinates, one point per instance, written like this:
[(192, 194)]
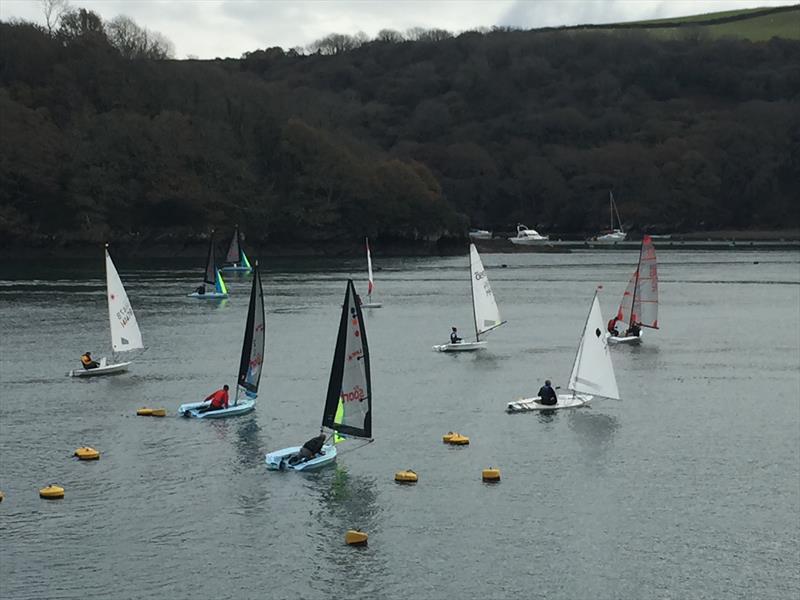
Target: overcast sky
[(228, 28)]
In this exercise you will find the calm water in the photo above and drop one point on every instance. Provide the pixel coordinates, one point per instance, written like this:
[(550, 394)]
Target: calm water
[(689, 487)]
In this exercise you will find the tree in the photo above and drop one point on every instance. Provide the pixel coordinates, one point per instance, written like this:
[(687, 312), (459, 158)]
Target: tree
[(135, 42), (53, 11)]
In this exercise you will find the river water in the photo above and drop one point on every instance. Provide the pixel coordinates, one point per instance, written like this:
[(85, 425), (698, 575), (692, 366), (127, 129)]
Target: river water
[(688, 487)]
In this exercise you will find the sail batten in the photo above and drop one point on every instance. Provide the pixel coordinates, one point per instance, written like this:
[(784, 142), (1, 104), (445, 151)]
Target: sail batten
[(348, 404), (255, 333), (125, 333), (592, 370), (485, 313)]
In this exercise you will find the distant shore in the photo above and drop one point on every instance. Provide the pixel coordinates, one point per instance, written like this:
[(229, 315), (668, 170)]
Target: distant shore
[(195, 247)]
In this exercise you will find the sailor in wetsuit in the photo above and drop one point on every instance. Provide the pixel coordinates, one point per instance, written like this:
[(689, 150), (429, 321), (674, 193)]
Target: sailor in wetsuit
[(547, 395), (309, 450), (219, 400), (454, 339), (88, 362)]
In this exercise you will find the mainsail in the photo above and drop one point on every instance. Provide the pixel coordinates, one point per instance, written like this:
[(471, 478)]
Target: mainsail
[(348, 405), (486, 313), (370, 283), (592, 371), (235, 248), (210, 276), (639, 303), (125, 334), (255, 332)]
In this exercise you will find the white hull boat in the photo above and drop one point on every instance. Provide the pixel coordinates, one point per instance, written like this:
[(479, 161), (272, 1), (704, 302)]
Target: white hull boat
[(528, 237), (592, 372), (281, 460), (625, 339), (614, 234), (103, 369), (207, 296), (480, 234), (484, 308), (192, 409)]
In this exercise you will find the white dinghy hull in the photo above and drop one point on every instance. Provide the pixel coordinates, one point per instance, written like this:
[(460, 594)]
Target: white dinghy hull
[(534, 404), (460, 347), (103, 369), (207, 296), (627, 339), (372, 305), (274, 459), (192, 409)]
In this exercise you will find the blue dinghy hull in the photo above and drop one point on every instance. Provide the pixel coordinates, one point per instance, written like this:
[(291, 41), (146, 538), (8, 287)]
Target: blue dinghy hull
[(273, 459), (244, 406)]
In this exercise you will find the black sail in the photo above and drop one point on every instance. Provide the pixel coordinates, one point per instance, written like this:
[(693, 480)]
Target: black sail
[(348, 406), (211, 267), (255, 333), (233, 250)]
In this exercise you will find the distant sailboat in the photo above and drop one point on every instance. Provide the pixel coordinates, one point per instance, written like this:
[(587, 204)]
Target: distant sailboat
[(370, 283), (251, 362), (125, 334), (236, 256), (639, 305), (348, 404), (615, 234), (484, 308), (592, 372), (211, 276)]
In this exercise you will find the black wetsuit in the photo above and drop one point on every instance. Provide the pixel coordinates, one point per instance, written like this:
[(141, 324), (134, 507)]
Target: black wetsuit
[(311, 448), (454, 339), (547, 396)]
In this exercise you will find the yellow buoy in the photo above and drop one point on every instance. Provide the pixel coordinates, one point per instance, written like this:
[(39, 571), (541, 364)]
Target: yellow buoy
[(448, 436), (354, 537), (407, 476), (491, 475), (52, 492), (87, 453), (145, 412), (459, 440), (159, 412)]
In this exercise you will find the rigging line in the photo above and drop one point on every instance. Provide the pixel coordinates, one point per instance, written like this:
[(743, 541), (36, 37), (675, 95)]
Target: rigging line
[(366, 443)]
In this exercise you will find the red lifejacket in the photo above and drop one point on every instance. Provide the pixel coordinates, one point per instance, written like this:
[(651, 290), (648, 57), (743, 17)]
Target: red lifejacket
[(219, 399)]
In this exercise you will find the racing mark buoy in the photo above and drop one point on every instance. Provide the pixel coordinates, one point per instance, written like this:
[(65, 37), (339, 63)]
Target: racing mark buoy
[(87, 453), (459, 440), (491, 475), (448, 436), (355, 537), (145, 412), (407, 476), (52, 492), (159, 412)]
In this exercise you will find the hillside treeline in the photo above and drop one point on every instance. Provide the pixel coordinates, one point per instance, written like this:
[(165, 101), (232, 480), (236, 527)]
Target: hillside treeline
[(397, 138)]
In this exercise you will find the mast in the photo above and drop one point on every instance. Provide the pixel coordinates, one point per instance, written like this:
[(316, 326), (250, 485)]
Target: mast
[(210, 275), (611, 208), (252, 358), (472, 295), (636, 285)]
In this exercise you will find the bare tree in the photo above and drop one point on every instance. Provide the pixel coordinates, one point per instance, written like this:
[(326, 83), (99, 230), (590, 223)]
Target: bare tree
[(390, 36), (134, 41), (337, 43), (53, 10)]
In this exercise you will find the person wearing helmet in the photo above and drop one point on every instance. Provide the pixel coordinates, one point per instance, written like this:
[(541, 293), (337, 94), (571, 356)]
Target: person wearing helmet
[(88, 362), (454, 339), (219, 400), (547, 395)]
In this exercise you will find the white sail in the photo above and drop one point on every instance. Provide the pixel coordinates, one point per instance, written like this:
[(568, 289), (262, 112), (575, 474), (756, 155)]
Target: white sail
[(592, 371), (647, 290), (370, 283), (487, 316), (125, 334)]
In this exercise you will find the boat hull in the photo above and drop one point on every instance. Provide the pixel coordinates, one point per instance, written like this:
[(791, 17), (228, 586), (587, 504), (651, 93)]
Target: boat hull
[(273, 459), (533, 404), (611, 238), (460, 347), (191, 409), (371, 305), (625, 339), (236, 269), (207, 296), (480, 235), (529, 241), (101, 370)]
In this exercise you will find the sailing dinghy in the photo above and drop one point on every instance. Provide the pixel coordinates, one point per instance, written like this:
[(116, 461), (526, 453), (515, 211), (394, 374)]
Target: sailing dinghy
[(484, 307), (639, 305), (213, 277), (370, 283), (250, 364), (236, 256), (592, 372), (348, 404), (125, 334), (614, 235)]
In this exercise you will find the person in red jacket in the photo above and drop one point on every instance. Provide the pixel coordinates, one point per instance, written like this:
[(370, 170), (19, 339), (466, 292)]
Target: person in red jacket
[(219, 400)]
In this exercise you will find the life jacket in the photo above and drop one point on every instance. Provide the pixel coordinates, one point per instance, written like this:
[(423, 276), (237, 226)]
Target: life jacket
[(86, 360), (219, 399)]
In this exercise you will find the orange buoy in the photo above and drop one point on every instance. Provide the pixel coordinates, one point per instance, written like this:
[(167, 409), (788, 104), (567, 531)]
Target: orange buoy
[(407, 476), (355, 537), (491, 475), (448, 436), (52, 492), (145, 412), (87, 453), (2, 495), (159, 412)]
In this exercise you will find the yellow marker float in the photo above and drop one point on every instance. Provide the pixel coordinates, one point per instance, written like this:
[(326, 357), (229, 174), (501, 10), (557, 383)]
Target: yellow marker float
[(159, 412), (87, 453), (455, 439), (52, 492), (491, 475), (354, 537), (145, 412), (407, 476)]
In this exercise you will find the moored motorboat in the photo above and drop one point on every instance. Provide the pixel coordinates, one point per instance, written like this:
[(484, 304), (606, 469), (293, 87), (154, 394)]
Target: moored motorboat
[(528, 237)]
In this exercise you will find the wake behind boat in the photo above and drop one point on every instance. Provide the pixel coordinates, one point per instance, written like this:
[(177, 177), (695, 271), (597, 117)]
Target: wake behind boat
[(639, 305), (592, 372), (348, 404), (250, 364), (125, 333), (211, 276), (236, 256), (484, 308)]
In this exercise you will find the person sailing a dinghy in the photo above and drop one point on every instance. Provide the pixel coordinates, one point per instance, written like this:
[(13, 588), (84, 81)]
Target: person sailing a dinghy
[(219, 400), (200, 289), (612, 327), (310, 450), (88, 362), (454, 339), (633, 331), (547, 395)]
